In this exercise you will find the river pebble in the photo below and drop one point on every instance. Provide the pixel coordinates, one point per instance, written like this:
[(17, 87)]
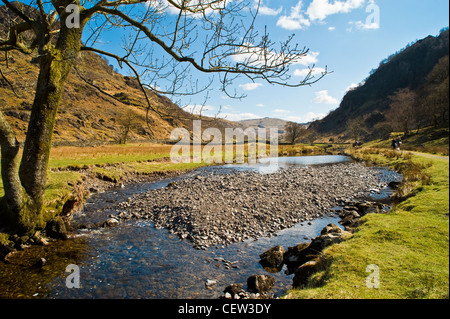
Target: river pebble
[(215, 209)]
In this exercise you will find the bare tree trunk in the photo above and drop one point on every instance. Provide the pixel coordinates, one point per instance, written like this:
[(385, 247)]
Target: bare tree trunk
[(14, 194), (33, 168), (18, 212), (25, 185)]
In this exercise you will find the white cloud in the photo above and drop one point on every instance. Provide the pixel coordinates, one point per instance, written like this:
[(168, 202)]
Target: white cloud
[(297, 119), (320, 9), (311, 116), (351, 87), (163, 5), (322, 97), (247, 54), (250, 86), (256, 56), (260, 105), (304, 72), (372, 20), (269, 11), (238, 116), (365, 26), (296, 20), (309, 58), (265, 10)]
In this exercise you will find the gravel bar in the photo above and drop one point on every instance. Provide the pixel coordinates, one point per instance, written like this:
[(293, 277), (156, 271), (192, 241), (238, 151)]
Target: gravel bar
[(216, 209)]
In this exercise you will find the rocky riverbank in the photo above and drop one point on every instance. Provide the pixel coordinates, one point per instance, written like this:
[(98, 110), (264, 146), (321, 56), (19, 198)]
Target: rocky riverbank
[(306, 258), (215, 209)]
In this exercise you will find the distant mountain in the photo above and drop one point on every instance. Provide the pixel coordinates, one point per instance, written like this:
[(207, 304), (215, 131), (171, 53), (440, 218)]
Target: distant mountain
[(369, 103), (266, 122)]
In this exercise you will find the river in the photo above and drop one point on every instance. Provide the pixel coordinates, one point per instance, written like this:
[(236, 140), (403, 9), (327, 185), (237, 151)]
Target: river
[(137, 260)]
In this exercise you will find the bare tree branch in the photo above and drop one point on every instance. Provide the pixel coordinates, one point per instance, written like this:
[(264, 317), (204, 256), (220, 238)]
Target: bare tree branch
[(21, 14), (9, 83)]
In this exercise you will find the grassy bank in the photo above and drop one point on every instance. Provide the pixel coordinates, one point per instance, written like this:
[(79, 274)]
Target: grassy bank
[(410, 245)]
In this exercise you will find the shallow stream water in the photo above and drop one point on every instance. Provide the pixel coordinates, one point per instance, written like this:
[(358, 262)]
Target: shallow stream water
[(136, 260)]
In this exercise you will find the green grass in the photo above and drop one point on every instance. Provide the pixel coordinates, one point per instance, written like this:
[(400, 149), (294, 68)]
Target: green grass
[(105, 160), (410, 245), (59, 184)]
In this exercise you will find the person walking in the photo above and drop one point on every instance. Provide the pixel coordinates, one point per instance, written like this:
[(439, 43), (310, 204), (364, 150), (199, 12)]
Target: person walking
[(394, 144)]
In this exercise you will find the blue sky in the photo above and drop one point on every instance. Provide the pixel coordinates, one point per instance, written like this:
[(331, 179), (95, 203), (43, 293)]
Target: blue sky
[(349, 37)]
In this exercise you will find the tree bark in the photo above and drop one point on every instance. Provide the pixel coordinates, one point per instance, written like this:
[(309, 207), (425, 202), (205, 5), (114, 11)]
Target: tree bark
[(25, 184), (33, 168), (14, 194)]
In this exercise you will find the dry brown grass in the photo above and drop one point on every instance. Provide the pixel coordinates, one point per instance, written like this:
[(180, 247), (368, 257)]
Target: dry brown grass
[(108, 150)]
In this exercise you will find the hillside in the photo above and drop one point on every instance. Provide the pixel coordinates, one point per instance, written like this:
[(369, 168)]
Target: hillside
[(98, 104), (363, 112)]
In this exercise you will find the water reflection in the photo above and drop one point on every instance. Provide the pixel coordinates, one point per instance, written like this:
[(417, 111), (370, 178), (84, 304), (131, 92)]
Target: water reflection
[(272, 164)]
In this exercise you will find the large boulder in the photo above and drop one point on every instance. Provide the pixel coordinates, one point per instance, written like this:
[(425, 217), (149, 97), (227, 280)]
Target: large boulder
[(323, 241), (260, 283), (56, 228), (330, 229), (369, 208), (69, 207), (394, 184), (273, 258), (347, 220), (354, 225), (349, 216), (304, 272), (304, 252), (297, 256)]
